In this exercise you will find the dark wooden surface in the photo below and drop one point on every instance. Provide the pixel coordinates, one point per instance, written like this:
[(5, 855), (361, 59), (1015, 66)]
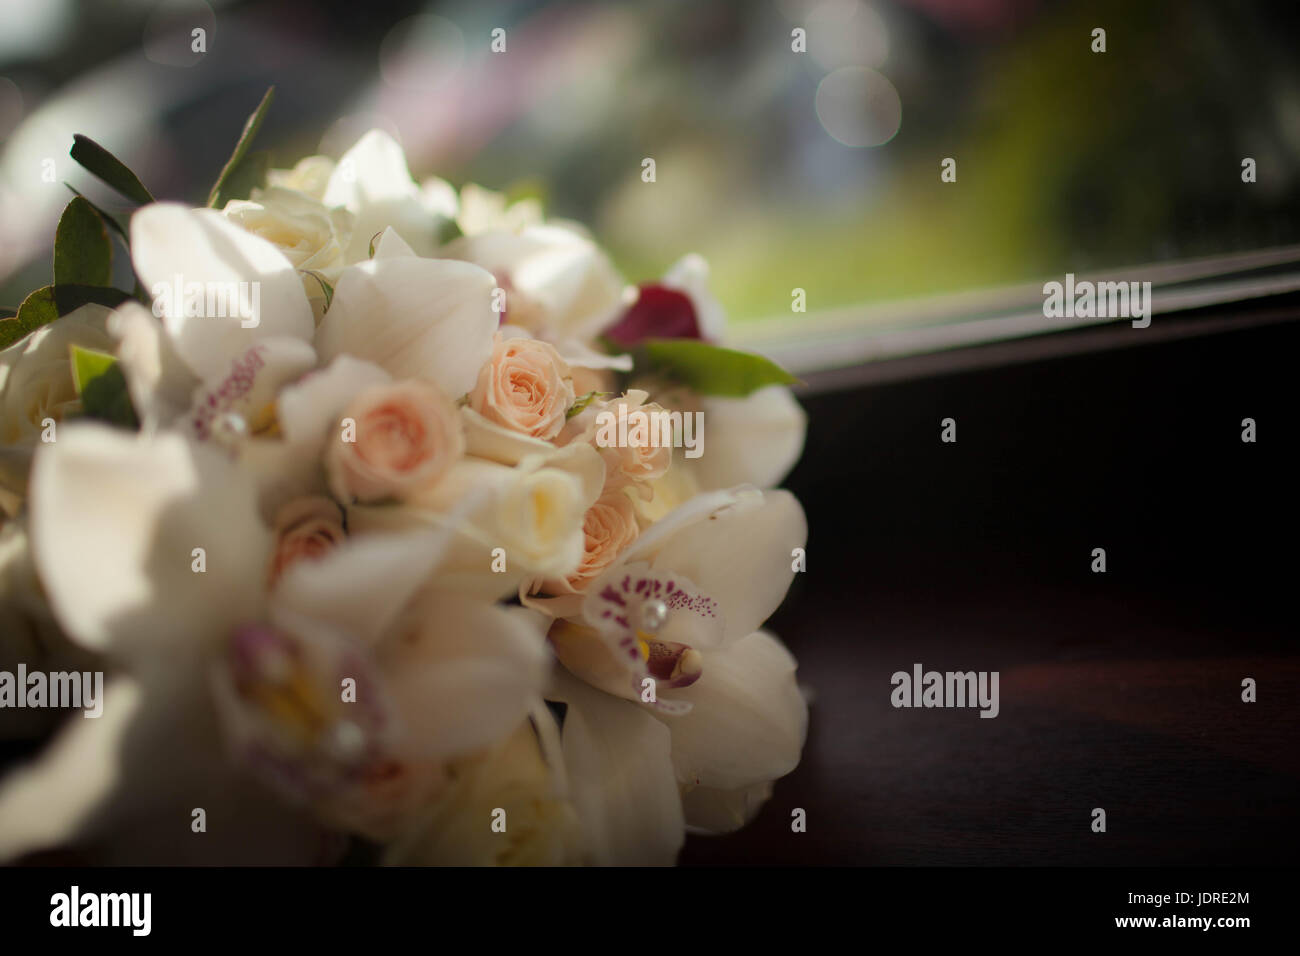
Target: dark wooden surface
[(1119, 690)]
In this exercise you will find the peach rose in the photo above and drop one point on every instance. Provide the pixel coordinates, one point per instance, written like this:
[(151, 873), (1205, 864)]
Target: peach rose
[(401, 440), (306, 529), (608, 528), (525, 386), (636, 461)]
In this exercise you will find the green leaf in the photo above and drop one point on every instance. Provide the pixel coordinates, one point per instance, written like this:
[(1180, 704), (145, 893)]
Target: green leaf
[(711, 369), (448, 230), (241, 148), (247, 176), (106, 397), (96, 159), (329, 289), (45, 305), (109, 218), (83, 253), (102, 387), (581, 404), (88, 365)]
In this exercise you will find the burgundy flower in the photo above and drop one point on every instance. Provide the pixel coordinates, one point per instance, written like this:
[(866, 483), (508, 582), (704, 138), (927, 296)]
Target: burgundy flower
[(658, 313)]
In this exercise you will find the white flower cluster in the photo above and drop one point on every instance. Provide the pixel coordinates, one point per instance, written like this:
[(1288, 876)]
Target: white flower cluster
[(363, 571)]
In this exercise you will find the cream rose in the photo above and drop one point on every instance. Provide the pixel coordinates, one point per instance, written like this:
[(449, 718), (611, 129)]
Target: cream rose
[(306, 529), (309, 176), (312, 236), (635, 462), (395, 441), (538, 513), (36, 384), (525, 386), (483, 210)]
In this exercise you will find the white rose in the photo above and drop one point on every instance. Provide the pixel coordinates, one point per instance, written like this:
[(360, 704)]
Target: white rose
[(36, 385), (312, 236), (483, 210), (373, 181), (310, 176)]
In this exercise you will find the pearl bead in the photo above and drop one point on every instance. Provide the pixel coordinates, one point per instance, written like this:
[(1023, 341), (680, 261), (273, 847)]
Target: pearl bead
[(653, 615)]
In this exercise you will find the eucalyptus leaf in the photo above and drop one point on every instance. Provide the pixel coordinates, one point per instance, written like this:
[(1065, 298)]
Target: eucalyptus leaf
[(241, 148), (47, 304), (83, 253), (96, 159), (712, 369)]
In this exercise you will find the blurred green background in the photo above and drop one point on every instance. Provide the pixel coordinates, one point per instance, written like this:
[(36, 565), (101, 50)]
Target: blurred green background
[(818, 170)]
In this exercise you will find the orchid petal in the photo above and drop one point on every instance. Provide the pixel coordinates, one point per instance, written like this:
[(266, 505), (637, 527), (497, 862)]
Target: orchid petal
[(44, 803), (119, 784), (620, 777), (487, 439), (248, 386), (362, 586), (392, 246), (712, 811), (696, 509), (462, 673), (748, 722), (172, 244), (741, 557), (562, 285), (416, 318), (753, 440), (114, 523), (161, 384)]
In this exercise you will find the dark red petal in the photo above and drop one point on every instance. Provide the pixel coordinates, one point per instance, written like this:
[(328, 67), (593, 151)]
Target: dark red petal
[(658, 313)]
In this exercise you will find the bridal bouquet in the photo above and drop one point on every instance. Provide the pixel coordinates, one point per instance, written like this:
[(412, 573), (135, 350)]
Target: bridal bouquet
[(396, 527)]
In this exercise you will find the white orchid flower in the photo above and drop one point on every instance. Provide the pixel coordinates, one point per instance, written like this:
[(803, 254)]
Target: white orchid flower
[(115, 521), (674, 624), (620, 777), (413, 317), (190, 259), (236, 323)]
